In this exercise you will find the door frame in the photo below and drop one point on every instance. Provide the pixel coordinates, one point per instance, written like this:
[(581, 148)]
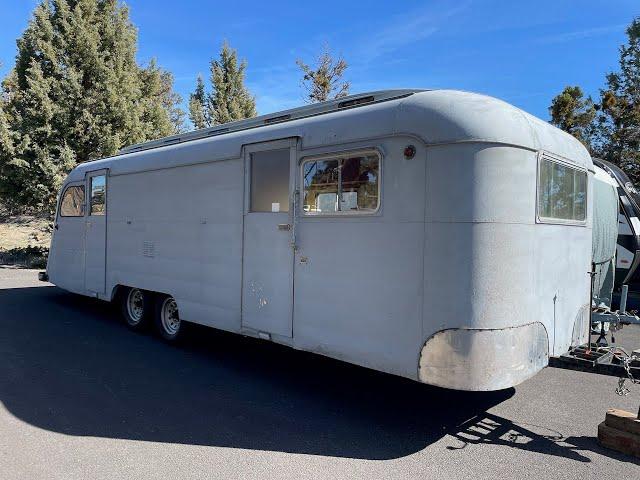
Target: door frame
[(293, 144), (87, 218)]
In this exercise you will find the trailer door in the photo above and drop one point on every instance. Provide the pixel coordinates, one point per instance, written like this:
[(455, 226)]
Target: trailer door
[(96, 232), (268, 247), (66, 258)]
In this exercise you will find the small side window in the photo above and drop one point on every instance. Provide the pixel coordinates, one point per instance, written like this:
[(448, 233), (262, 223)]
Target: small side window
[(98, 195), (72, 204), (562, 192), (341, 185)]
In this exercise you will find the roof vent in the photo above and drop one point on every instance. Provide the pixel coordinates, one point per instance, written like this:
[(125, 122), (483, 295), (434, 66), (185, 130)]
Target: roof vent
[(217, 132), (281, 118), (356, 101)]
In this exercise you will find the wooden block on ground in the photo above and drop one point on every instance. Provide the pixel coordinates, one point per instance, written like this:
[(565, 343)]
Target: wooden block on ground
[(618, 440), (621, 420)]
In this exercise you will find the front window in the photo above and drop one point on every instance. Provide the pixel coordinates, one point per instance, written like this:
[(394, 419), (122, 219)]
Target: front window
[(72, 204), (344, 184), (562, 192)]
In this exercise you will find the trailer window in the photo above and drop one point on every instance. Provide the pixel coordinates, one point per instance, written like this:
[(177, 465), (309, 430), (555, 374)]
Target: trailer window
[(98, 195), (562, 192), (72, 204), (345, 184), (270, 181)]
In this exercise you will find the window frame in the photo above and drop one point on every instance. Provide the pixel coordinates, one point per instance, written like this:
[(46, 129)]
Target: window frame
[(546, 156), (84, 201), (89, 194), (338, 156)]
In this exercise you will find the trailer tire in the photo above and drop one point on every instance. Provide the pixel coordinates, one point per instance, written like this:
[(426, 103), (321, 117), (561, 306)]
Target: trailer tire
[(167, 319), (136, 307)]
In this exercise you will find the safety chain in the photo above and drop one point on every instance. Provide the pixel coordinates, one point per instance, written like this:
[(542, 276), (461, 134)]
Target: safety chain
[(626, 360)]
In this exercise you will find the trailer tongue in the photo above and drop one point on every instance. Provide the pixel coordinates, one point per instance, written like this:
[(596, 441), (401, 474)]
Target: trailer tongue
[(612, 361)]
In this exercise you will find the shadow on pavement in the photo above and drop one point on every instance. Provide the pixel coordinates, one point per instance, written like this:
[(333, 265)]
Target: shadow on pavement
[(494, 430), (68, 365)]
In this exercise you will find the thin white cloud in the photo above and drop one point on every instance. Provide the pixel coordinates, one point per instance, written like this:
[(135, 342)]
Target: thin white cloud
[(277, 87), (580, 34), (406, 29)]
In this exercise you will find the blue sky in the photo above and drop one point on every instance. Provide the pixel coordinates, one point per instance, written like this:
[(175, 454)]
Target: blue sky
[(520, 51)]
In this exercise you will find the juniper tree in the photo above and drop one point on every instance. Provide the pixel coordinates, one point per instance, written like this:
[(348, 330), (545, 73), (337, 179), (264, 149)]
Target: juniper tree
[(6, 140), (573, 113), (229, 98), (77, 93), (324, 81)]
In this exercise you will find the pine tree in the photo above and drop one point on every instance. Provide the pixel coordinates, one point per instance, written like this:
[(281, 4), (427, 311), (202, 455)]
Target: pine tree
[(77, 93), (324, 82), (619, 120), (229, 99), (574, 114), (198, 106)]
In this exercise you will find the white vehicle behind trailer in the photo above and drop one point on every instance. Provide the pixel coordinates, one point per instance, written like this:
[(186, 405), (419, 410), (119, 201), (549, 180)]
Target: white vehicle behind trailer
[(440, 235)]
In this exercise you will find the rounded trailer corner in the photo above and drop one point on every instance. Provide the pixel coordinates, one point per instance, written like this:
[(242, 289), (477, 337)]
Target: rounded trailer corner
[(484, 359)]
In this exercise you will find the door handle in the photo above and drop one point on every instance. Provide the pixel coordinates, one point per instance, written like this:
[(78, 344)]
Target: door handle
[(56, 226), (284, 226)]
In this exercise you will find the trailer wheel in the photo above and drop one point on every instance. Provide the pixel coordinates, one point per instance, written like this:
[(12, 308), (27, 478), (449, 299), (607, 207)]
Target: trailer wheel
[(167, 318), (136, 308)]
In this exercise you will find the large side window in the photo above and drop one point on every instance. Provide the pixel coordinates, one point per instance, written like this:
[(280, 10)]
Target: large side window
[(342, 184), (562, 192), (72, 204), (98, 195)]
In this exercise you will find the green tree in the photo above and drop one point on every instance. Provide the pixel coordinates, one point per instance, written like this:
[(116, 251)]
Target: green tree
[(619, 118), (324, 81), (6, 140), (198, 106), (229, 99), (574, 114), (77, 93), (160, 104)]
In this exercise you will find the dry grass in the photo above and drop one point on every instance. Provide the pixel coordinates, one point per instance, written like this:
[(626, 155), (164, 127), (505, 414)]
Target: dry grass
[(24, 231), (24, 240)]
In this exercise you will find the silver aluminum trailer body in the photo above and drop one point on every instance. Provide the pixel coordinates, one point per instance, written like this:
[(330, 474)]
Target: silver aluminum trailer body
[(446, 266)]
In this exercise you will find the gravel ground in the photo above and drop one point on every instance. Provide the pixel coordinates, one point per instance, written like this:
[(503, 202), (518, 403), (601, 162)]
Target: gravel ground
[(82, 397)]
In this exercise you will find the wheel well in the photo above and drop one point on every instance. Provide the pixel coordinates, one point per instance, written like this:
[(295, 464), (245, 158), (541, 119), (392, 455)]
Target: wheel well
[(117, 290)]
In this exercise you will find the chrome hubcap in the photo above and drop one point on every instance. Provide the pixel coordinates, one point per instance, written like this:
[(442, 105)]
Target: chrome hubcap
[(135, 305), (170, 317)]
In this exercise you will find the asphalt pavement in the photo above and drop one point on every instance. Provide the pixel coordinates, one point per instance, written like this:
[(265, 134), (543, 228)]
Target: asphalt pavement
[(83, 397)]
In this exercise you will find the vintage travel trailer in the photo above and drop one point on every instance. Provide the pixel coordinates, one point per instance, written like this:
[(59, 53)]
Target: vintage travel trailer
[(605, 237), (439, 235), (628, 249)]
